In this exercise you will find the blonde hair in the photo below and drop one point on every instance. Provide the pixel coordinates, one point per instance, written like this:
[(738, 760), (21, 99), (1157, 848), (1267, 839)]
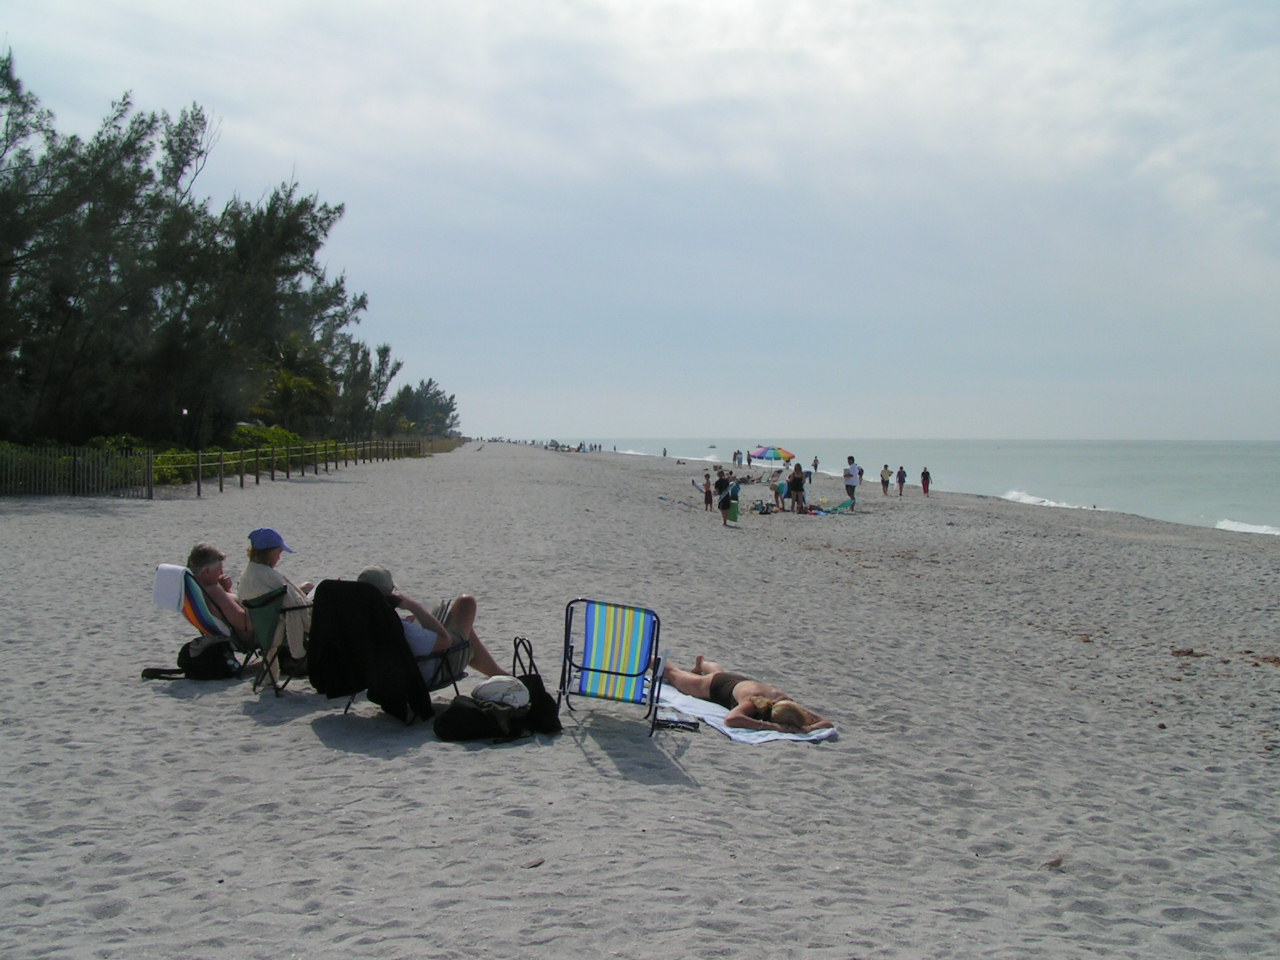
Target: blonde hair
[(791, 714), (261, 555)]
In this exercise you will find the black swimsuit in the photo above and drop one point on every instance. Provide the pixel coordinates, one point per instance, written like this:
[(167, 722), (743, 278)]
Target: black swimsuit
[(722, 685)]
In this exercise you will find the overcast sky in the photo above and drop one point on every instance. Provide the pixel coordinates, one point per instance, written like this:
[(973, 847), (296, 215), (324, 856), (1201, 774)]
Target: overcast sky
[(637, 218)]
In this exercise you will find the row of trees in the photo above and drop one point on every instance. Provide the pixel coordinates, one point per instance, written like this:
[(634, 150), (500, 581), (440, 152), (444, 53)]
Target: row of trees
[(128, 306)]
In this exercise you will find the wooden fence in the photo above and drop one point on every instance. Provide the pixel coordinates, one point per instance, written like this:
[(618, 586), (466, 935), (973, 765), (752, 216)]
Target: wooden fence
[(83, 472)]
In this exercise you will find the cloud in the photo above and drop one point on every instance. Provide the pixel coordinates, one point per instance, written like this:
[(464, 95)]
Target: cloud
[(979, 201)]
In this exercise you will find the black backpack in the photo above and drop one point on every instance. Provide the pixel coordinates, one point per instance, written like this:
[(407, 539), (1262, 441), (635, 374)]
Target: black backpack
[(204, 658), (466, 718)]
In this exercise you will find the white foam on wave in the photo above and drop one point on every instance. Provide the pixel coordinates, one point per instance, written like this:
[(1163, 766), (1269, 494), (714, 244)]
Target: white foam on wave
[(1021, 496), (1237, 527)]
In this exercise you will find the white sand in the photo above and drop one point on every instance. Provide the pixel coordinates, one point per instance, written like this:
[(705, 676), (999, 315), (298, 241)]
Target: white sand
[(1002, 676)]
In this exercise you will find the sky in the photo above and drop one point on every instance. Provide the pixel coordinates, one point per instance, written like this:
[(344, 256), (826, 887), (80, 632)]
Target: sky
[(783, 218)]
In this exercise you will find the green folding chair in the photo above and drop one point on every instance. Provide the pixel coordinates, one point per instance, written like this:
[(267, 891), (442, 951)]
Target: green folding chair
[(265, 612), (611, 653)]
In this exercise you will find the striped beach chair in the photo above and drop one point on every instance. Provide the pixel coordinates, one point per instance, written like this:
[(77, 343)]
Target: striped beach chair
[(611, 653), (176, 588)]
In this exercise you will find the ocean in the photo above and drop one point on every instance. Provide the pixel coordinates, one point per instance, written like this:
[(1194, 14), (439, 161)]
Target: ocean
[(1228, 485)]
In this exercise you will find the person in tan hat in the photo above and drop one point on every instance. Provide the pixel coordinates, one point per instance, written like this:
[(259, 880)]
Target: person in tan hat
[(452, 623)]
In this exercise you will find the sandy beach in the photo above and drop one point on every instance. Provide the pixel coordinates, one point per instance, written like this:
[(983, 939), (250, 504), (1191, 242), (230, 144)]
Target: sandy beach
[(1059, 732)]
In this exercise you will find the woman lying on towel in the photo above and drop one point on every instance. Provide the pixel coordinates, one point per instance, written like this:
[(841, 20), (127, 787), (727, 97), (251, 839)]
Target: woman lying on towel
[(752, 705)]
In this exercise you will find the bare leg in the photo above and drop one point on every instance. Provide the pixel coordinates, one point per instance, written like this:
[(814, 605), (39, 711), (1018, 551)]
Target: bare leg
[(705, 667), (687, 682), (461, 622)]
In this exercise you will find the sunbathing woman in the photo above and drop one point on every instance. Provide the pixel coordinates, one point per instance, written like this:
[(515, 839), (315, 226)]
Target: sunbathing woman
[(752, 705)]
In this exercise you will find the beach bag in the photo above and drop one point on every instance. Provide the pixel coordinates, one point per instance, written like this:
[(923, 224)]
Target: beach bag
[(204, 658), (467, 718), (544, 709)]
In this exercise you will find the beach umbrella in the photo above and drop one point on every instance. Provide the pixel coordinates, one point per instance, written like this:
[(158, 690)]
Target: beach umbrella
[(772, 453)]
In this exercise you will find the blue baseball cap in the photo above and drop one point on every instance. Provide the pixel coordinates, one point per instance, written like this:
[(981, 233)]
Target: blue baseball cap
[(264, 538)]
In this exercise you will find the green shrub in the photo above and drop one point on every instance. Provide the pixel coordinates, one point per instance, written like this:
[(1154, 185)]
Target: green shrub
[(175, 466), (121, 441), (246, 437)]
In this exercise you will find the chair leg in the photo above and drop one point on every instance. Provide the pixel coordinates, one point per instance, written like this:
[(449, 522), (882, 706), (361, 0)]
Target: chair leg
[(270, 671)]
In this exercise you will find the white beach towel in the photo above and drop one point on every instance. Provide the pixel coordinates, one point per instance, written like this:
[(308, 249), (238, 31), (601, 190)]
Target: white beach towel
[(714, 714)]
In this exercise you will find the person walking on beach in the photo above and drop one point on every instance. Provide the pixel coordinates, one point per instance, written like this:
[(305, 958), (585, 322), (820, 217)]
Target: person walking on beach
[(706, 491), (902, 478), (815, 466), (925, 480), (886, 475), (852, 476), (752, 705)]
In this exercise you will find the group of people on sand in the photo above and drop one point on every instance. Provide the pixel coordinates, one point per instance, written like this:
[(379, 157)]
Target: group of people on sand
[(791, 484), (887, 476), (752, 704), (426, 632)]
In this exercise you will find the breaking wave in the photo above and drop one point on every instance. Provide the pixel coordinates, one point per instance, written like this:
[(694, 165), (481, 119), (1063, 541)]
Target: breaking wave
[(1021, 496), (1238, 527)]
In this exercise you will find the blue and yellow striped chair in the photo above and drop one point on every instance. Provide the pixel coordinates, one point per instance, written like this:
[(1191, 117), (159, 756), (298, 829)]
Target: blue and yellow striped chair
[(611, 653)]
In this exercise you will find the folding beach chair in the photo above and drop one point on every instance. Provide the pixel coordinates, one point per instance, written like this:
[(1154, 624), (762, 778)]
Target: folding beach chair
[(176, 588), (611, 653), (357, 643), (265, 611)]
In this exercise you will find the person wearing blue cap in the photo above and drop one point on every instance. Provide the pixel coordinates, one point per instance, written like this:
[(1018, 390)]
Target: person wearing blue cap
[(266, 547)]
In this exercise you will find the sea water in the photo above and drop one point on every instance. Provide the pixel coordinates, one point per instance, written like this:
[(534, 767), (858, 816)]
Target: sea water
[(1228, 485)]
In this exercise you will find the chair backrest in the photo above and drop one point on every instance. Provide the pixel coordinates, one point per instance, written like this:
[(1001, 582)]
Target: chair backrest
[(176, 588), (610, 649), (446, 667), (264, 611), (357, 643)]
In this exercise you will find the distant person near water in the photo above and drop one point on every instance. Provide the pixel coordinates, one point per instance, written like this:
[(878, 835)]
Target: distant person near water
[(886, 475), (852, 477), (901, 478), (925, 480)]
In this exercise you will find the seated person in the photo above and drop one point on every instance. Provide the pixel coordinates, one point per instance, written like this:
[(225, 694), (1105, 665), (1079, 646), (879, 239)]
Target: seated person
[(752, 705), (260, 576), (205, 562), (427, 634)]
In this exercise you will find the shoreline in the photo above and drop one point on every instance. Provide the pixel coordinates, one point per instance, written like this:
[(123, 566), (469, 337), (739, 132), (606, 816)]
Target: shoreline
[(1211, 484), (1057, 732)]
